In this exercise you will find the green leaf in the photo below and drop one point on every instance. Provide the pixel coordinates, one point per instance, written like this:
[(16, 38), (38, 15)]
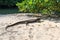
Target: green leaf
[(44, 11), (30, 3), (46, 0)]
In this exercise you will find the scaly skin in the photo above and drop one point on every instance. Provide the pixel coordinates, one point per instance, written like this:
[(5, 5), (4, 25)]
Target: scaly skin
[(24, 22)]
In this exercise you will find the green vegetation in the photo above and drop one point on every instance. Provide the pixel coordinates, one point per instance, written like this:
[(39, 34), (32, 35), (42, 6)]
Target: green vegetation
[(31, 6), (39, 6)]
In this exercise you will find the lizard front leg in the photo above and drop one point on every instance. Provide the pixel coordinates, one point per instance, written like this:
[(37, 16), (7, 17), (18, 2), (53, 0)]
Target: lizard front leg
[(26, 23)]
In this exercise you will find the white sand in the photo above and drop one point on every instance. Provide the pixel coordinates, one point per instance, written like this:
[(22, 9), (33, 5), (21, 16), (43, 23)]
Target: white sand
[(47, 30)]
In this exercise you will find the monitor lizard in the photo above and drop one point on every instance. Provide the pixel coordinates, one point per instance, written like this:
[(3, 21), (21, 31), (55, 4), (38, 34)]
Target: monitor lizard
[(25, 22)]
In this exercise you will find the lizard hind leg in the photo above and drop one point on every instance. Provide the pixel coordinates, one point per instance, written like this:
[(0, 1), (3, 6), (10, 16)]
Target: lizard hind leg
[(26, 23)]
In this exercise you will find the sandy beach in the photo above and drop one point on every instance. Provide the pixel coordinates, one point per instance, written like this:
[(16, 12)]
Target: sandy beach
[(49, 29)]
